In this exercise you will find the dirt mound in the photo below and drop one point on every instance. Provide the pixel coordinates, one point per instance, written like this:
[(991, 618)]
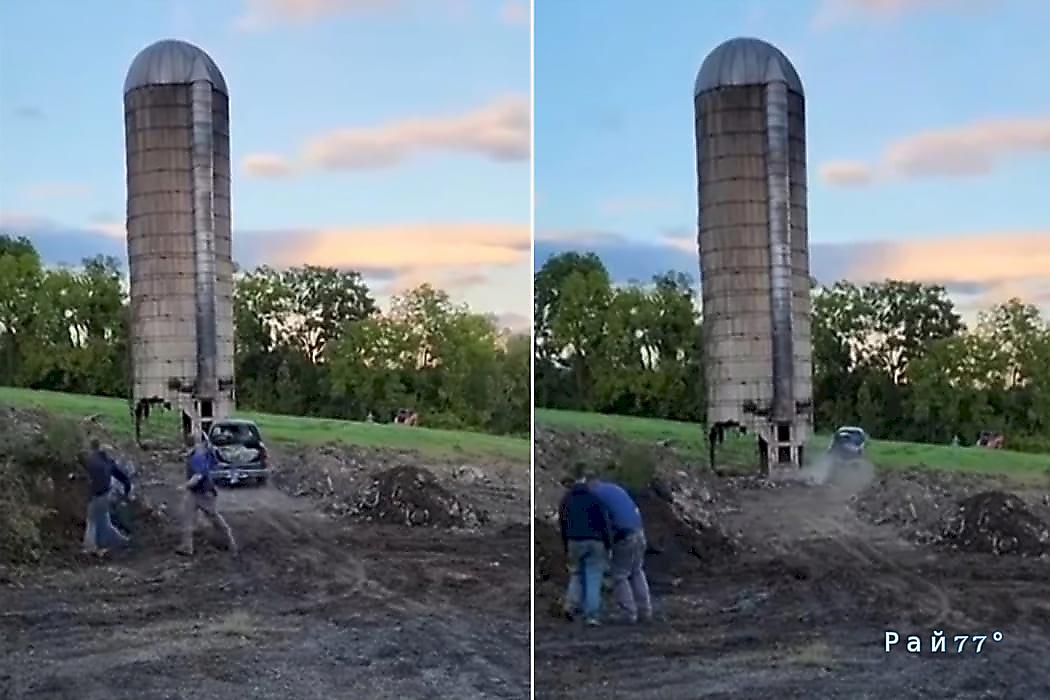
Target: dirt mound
[(994, 522), (550, 557), (558, 451), (406, 495), (678, 546), (43, 503), (962, 511), (681, 505)]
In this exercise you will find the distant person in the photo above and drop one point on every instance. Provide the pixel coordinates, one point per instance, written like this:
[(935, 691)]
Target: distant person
[(586, 533), (201, 495), (99, 533), (627, 565)]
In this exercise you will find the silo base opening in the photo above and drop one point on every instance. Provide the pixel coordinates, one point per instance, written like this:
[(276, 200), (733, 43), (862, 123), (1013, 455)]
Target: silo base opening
[(141, 413), (781, 448), (187, 429)]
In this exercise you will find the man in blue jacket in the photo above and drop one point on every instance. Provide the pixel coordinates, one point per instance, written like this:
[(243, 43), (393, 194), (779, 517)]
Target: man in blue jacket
[(627, 566), (201, 495), (99, 532), (586, 533)]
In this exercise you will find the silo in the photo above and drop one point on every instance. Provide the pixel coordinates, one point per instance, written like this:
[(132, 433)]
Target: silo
[(754, 256), (176, 118)]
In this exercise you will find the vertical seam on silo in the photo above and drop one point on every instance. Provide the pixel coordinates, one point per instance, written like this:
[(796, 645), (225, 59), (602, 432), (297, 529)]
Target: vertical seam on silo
[(779, 194), (203, 169)]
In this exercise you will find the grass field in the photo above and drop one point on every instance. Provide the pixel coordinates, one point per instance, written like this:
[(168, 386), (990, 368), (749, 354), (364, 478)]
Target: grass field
[(691, 440), (113, 413)]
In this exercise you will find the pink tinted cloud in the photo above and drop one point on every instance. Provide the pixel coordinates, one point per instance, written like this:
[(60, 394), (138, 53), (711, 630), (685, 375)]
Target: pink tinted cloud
[(515, 12), (973, 149), (847, 173), (833, 12), (498, 130), (408, 247), (263, 14), (268, 165), (968, 150)]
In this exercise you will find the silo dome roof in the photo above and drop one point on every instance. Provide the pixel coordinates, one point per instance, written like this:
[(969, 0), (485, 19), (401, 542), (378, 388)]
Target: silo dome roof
[(171, 62), (746, 61)]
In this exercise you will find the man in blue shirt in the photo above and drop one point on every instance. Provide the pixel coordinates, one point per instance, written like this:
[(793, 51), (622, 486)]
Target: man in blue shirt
[(201, 495), (99, 533), (627, 566), (586, 534)]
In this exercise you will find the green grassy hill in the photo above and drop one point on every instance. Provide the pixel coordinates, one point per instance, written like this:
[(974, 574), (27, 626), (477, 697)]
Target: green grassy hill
[(690, 439), (114, 414)]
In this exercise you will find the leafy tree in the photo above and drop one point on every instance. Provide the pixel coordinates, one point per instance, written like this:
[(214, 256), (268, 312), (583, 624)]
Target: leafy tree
[(21, 274), (579, 326), (555, 384), (308, 341)]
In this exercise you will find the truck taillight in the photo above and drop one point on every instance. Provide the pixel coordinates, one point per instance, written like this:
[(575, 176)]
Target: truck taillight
[(263, 454)]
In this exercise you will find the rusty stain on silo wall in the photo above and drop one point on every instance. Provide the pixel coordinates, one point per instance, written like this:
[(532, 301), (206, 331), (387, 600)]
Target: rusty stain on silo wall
[(752, 239), (178, 222)]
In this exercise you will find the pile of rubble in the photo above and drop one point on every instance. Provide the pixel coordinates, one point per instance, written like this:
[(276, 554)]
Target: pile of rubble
[(411, 496), (917, 501), (999, 523)]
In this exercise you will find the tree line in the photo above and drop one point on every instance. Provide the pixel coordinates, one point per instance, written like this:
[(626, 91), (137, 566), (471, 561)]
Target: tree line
[(894, 357), (309, 341)]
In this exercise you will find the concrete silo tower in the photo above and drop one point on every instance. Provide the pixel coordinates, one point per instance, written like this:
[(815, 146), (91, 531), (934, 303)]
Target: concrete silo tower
[(754, 255), (176, 118)]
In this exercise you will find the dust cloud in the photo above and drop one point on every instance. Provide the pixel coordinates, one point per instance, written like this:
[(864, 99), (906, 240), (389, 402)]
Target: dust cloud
[(849, 477)]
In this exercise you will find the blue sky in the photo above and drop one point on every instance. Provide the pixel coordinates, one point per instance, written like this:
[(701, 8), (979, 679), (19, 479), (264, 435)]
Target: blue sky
[(928, 127), (439, 87)]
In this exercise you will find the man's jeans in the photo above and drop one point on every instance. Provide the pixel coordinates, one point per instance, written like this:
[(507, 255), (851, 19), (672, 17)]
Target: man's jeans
[(588, 561), (98, 528), (630, 587), (205, 503)]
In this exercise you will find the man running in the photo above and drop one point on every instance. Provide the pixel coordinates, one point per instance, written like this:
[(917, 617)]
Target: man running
[(627, 567), (99, 533), (587, 536), (201, 495)]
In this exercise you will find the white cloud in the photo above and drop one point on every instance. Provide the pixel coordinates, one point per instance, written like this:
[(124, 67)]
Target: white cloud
[(622, 206), (580, 237), (57, 190)]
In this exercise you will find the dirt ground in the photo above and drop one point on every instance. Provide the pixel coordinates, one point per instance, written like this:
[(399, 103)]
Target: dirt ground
[(791, 588), (324, 601)]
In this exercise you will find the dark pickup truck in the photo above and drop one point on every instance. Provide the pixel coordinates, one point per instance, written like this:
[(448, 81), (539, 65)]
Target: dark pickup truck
[(240, 454)]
